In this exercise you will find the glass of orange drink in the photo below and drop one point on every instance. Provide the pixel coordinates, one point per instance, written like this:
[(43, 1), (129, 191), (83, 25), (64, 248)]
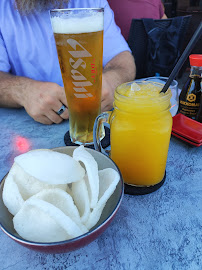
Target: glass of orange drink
[(140, 130)]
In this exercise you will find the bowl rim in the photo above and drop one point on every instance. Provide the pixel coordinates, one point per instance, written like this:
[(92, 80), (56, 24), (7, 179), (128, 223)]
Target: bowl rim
[(73, 240)]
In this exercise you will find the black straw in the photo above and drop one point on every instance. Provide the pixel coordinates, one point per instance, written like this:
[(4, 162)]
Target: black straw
[(183, 57)]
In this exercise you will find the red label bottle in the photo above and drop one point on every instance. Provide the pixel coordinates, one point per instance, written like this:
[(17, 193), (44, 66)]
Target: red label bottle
[(189, 99)]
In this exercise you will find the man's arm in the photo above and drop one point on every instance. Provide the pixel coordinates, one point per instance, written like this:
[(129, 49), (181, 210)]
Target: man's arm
[(41, 100), (117, 71), (164, 16), (162, 11)]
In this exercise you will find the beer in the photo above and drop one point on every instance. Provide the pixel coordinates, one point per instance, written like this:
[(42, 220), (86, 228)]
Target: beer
[(79, 43)]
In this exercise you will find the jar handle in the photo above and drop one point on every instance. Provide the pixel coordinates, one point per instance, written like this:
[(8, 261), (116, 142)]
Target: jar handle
[(102, 118)]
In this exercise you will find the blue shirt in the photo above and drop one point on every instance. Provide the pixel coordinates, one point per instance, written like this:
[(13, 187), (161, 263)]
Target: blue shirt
[(27, 45)]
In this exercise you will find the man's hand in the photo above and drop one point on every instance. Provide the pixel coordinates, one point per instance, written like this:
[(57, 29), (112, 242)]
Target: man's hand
[(41, 100), (119, 70), (107, 94)]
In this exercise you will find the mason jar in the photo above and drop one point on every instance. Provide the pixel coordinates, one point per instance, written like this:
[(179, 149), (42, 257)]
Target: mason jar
[(140, 130)]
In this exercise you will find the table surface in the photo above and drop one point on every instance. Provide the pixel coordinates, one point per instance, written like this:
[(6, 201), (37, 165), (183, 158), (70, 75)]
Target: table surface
[(162, 230)]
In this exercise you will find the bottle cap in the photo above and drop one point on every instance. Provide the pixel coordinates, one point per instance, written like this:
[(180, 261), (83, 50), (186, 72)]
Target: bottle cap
[(195, 60)]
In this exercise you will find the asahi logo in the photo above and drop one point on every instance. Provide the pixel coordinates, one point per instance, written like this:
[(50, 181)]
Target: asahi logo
[(80, 82)]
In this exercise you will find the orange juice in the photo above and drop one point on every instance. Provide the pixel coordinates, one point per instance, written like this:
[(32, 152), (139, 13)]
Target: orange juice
[(141, 126)]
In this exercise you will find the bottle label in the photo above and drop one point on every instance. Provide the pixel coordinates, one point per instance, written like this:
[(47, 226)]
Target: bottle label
[(189, 109), (189, 101)]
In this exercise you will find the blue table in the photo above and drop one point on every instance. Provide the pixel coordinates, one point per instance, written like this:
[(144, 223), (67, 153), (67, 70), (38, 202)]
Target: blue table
[(162, 230)]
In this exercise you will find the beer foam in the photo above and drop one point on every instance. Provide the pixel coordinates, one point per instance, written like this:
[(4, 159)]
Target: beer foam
[(78, 25)]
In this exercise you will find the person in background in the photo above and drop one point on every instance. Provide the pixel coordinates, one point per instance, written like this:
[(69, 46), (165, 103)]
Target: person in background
[(30, 75), (125, 11)]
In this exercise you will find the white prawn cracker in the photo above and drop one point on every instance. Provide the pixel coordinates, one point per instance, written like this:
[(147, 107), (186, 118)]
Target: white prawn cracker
[(80, 196), (20, 186), (108, 180), (11, 195), (51, 167), (80, 154), (40, 221), (63, 201)]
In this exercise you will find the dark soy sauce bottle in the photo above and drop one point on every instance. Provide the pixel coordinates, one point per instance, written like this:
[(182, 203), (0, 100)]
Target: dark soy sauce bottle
[(190, 96), (199, 114)]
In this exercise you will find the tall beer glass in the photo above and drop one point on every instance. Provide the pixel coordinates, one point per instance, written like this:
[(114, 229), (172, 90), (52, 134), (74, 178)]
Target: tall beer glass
[(79, 40)]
